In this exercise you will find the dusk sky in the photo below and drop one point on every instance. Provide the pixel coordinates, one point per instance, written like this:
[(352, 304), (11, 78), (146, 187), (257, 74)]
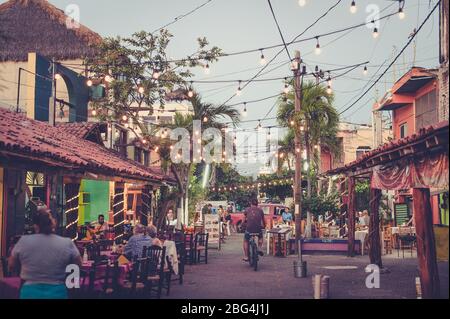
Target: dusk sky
[(236, 25)]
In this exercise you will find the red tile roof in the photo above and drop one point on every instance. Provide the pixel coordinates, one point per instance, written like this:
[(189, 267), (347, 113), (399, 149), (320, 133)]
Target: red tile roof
[(39, 141), (78, 129), (424, 133)]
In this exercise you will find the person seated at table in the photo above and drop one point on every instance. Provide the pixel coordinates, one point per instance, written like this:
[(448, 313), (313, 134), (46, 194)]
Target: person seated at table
[(364, 220), (136, 243), (44, 257), (100, 227), (286, 216), (152, 232)]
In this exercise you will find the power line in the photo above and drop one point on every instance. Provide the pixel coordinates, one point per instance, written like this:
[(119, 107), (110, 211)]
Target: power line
[(411, 38)]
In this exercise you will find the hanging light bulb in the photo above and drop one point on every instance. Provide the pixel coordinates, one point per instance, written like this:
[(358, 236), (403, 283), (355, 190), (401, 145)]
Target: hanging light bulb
[(58, 76), (318, 50), (329, 90), (141, 90), (244, 113), (365, 70), (329, 81), (207, 70), (401, 13), (259, 125), (191, 91), (94, 113), (375, 33), (156, 74), (353, 7), (239, 90), (286, 87), (124, 117), (301, 3), (292, 122), (205, 119), (89, 82), (262, 61), (108, 78), (144, 141)]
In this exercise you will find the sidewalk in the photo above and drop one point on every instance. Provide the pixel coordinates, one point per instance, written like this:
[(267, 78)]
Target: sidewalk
[(227, 277)]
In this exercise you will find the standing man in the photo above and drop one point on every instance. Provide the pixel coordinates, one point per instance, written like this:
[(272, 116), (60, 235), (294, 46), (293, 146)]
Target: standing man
[(254, 217)]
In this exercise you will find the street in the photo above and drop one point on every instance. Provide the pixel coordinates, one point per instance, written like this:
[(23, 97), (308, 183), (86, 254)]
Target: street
[(226, 276)]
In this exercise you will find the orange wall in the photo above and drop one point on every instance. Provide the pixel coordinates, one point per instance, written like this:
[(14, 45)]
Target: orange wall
[(325, 160), (435, 209), (402, 115)]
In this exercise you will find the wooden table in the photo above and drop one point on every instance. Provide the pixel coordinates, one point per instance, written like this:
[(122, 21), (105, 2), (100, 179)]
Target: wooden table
[(281, 234)]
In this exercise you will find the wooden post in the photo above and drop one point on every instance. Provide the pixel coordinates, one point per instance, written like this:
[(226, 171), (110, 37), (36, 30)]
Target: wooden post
[(146, 205), (72, 192), (426, 248), (119, 211), (351, 216), (374, 228)]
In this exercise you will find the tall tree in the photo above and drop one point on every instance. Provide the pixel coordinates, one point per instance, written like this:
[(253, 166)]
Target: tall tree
[(320, 121)]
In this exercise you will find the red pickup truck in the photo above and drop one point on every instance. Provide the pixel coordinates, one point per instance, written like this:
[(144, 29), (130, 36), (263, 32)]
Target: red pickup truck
[(272, 213)]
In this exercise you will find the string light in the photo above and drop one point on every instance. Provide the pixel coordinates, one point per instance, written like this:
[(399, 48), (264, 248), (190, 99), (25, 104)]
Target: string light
[(263, 59), (244, 113), (239, 90), (141, 90), (259, 125), (144, 141), (58, 76), (191, 92), (375, 33), (329, 89), (205, 119), (156, 149), (207, 70), (94, 113), (286, 87), (301, 3), (401, 13), (108, 78), (365, 70), (124, 118), (353, 7), (156, 74), (89, 82), (318, 50)]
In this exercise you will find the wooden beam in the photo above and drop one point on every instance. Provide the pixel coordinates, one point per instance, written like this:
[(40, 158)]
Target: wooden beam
[(374, 228), (426, 247), (351, 216)]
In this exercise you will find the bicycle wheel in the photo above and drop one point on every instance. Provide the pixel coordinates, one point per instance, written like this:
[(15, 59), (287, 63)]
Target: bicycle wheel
[(254, 257)]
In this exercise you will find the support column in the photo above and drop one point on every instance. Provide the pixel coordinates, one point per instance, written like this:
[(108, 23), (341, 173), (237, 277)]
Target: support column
[(72, 191), (374, 228), (351, 216), (426, 248), (146, 205), (119, 211)]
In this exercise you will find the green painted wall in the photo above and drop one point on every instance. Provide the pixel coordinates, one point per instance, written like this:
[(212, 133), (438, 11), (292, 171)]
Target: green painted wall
[(99, 200)]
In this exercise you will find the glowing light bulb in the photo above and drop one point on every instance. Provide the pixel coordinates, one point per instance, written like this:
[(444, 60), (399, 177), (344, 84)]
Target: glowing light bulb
[(353, 7), (144, 141), (401, 13), (191, 93), (262, 61), (329, 90), (141, 90), (286, 89), (108, 78), (124, 118), (375, 33), (205, 119), (365, 70), (58, 76), (301, 3), (244, 113), (156, 74), (318, 50), (207, 69), (239, 90), (94, 112), (89, 82)]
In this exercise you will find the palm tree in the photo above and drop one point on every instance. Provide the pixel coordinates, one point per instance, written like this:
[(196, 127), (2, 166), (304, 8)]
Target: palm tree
[(320, 121), (211, 116)]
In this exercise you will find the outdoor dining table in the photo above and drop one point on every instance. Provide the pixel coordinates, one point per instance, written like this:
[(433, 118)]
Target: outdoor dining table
[(361, 236), (280, 232)]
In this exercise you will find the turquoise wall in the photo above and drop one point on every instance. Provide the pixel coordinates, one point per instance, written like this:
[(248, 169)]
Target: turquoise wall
[(99, 200)]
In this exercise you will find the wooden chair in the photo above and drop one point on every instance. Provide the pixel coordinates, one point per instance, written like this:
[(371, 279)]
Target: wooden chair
[(189, 240), (181, 251), (136, 285), (406, 240), (111, 285), (387, 239), (93, 251), (105, 244), (155, 272), (201, 245)]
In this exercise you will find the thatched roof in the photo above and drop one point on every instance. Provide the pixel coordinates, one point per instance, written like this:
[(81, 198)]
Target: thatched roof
[(38, 26)]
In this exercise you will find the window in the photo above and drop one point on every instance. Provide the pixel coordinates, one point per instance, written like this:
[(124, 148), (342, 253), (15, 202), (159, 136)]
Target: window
[(403, 130), (426, 110), (138, 155), (146, 158)]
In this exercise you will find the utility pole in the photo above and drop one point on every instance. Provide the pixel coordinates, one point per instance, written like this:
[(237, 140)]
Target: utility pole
[(298, 155)]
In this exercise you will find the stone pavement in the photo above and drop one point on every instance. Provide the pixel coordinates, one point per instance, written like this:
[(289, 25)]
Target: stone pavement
[(227, 277)]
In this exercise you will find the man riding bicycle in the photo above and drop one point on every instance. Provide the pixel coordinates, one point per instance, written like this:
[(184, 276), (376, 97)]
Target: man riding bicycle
[(254, 218)]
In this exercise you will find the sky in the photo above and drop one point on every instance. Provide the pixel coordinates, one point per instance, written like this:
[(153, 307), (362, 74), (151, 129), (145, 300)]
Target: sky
[(237, 25)]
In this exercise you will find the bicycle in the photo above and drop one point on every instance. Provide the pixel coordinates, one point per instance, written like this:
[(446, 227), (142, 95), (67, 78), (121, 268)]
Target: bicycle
[(253, 255)]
